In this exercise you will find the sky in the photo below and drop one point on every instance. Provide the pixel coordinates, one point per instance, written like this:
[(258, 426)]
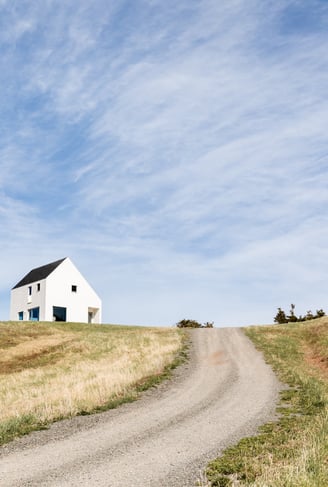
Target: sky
[(177, 152)]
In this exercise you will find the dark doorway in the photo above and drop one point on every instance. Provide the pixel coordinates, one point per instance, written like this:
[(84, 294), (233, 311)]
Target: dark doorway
[(59, 313)]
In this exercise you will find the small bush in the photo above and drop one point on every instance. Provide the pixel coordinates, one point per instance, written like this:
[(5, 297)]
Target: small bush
[(194, 324)]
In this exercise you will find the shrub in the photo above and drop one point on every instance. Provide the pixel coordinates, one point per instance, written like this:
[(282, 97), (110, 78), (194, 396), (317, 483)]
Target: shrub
[(188, 324), (194, 324), (292, 318)]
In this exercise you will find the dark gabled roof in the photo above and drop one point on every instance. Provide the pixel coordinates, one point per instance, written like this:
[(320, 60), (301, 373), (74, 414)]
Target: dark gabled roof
[(39, 273)]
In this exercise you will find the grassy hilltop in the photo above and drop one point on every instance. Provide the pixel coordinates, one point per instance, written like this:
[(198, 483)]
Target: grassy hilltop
[(50, 371), (294, 451)]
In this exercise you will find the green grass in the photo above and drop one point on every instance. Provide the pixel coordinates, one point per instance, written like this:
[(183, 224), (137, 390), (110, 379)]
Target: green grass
[(292, 452), (51, 371)]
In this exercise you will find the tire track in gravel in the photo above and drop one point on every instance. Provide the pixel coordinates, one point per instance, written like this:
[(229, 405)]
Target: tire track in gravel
[(164, 439)]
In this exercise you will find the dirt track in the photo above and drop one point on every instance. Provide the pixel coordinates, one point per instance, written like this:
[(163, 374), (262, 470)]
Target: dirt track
[(164, 439)]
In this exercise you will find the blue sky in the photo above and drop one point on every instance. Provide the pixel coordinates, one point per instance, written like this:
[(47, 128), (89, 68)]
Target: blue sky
[(176, 151)]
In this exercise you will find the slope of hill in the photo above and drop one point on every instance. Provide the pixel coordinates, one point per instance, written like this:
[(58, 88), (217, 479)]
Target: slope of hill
[(224, 392), (294, 450), (50, 371)]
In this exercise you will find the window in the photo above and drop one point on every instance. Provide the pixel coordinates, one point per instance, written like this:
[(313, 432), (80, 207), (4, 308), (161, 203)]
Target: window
[(34, 314), (74, 288), (38, 286), (21, 315), (30, 290)]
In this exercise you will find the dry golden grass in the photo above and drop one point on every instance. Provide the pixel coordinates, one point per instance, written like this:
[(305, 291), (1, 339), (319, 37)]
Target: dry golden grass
[(50, 371)]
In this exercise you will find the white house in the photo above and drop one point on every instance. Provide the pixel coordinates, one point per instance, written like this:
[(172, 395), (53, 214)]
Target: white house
[(55, 292)]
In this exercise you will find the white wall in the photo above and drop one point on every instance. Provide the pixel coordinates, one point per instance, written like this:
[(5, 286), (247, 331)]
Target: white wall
[(59, 293), (21, 301)]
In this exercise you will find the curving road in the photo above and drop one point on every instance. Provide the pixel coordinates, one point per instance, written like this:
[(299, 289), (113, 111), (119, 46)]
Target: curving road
[(164, 439)]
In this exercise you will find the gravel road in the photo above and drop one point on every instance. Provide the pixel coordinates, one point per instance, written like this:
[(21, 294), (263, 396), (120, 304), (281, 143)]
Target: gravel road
[(165, 438)]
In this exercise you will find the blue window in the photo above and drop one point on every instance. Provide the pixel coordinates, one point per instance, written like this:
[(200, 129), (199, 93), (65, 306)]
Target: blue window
[(30, 290), (34, 314), (21, 315)]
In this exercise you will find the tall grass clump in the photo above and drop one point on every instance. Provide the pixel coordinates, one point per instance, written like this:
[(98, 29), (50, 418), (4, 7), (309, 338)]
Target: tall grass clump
[(50, 371), (293, 451)]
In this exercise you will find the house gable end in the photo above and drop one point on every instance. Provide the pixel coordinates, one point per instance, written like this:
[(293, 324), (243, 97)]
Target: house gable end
[(70, 275)]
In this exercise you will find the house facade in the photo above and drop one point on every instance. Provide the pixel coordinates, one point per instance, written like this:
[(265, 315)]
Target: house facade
[(55, 292)]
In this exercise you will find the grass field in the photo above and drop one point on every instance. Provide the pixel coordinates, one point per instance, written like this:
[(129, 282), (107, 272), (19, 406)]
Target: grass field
[(293, 452), (50, 371)]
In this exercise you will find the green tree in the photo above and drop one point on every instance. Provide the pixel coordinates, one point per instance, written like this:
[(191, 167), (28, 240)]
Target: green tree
[(320, 313), (280, 317), (292, 317), (309, 315)]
